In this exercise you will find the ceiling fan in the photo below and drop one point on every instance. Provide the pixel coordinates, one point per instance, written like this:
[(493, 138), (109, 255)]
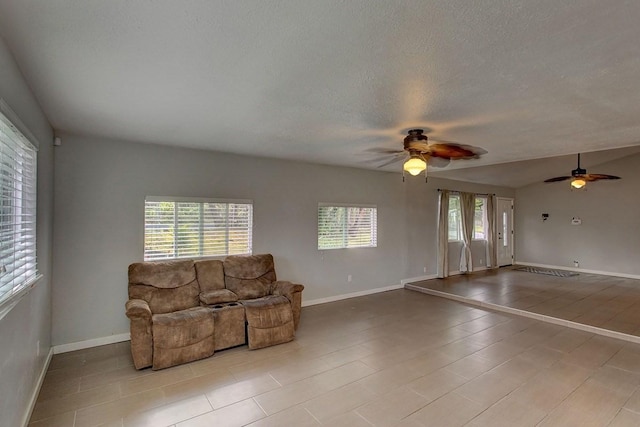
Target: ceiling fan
[(579, 177), (418, 152)]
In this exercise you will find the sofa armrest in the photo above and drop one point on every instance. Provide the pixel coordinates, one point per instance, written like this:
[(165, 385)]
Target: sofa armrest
[(293, 292), (285, 288), (138, 309)]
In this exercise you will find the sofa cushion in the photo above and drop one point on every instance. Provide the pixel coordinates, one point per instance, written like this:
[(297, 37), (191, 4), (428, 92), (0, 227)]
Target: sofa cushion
[(167, 300), (218, 296), (268, 312), (210, 274), (165, 275), (182, 336), (249, 276)]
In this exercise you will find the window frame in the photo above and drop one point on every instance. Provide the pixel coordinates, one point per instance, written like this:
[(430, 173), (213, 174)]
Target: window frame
[(201, 227), (373, 230), (25, 143), (459, 220), (485, 220)]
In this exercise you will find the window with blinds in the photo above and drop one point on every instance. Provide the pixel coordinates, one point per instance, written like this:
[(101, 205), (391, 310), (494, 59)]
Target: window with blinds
[(18, 158), (192, 228), (347, 226)]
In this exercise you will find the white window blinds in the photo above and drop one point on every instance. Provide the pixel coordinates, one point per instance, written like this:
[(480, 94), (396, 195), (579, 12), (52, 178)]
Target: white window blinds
[(347, 226), (191, 228), (18, 158)]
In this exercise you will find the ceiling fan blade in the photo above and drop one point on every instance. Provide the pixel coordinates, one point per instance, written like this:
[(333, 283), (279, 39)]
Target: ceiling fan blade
[(438, 162), (391, 161), (558, 178), (379, 150), (455, 151), (598, 176)]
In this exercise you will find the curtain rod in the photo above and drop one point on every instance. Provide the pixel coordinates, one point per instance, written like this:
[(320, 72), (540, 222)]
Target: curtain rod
[(457, 191)]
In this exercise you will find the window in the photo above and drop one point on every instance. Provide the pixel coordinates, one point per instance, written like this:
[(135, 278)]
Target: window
[(347, 226), (191, 228), (480, 225), (18, 158), (455, 218)]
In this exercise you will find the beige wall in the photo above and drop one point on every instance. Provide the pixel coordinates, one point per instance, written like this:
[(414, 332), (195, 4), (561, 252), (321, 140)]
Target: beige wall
[(26, 330)]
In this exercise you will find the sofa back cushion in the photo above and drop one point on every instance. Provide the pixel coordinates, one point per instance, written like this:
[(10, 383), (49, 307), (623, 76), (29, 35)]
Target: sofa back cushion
[(165, 286), (249, 276), (210, 275)]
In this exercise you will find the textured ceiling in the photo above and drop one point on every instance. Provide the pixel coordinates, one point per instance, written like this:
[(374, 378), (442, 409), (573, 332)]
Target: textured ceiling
[(327, 81)]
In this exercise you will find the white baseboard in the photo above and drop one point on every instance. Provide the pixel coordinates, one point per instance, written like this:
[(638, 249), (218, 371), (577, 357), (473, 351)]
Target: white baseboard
[(579, 270), (418, 279), (36, 389), (351, 295), (95, 342)]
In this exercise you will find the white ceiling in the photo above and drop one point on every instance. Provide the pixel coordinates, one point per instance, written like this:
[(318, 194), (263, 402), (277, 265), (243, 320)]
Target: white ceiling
[(325, 81)]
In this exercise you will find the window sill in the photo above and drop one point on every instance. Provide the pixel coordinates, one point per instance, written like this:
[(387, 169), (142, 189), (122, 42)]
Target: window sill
[(7, 305)]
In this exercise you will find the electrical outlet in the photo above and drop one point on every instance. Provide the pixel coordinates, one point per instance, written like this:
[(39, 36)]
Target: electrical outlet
[(349, 278), (481, 261), (576, 264), (37, 348), (424, 270)]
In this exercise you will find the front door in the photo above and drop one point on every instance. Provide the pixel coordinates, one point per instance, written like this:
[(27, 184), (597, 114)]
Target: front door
[(504, 228)]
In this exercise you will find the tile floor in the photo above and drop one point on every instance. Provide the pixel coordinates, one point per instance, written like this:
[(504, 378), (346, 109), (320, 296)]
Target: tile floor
[(395, 358)]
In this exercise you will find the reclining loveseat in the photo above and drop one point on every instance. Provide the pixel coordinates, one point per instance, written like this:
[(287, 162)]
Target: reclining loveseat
[(181, 311)]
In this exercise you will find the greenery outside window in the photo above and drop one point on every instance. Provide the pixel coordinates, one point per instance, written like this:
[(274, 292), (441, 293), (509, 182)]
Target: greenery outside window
[(347, 226), (192, 228), (480, 224)]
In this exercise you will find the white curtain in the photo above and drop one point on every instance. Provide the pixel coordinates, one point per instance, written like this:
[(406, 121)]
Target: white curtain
[(467, 210), (492, 254), (443, 235)]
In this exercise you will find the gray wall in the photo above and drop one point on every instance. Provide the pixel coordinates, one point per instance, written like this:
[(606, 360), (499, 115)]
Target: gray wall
[(608, 239), (100, 190), (27, 326)]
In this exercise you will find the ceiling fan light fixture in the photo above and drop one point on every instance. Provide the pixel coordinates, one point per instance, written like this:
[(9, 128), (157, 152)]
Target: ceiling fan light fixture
[(578, 183), (415, 165)]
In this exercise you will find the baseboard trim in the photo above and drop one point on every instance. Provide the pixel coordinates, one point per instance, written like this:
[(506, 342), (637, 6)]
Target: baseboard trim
[(579, 270), (36, 390), (95, 342), (350, 295), (418, 279), (537, 316)]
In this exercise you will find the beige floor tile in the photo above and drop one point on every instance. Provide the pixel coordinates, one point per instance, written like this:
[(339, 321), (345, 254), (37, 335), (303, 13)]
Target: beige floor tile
[(389, 409), (350, 419), (339, 401), (621, 381), (591, 404), (299, 370), (296, 416), (451, 410), (198, 385), (509, 413), (626, 418), (626, 360), (594, 352), (436, 384), (58, 389), (343, 375), (82, 399), (499, 352), (633, 403), (119, 408), (65, 419), (162, 378), (472, 366), (489, 387), (388, 379), (242, 390), (290, 395), (238, 414), (121, 374), (171, 413)]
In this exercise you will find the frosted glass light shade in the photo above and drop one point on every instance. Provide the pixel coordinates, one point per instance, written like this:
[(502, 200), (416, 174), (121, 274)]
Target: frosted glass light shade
[(578, 183), (415, 165)]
